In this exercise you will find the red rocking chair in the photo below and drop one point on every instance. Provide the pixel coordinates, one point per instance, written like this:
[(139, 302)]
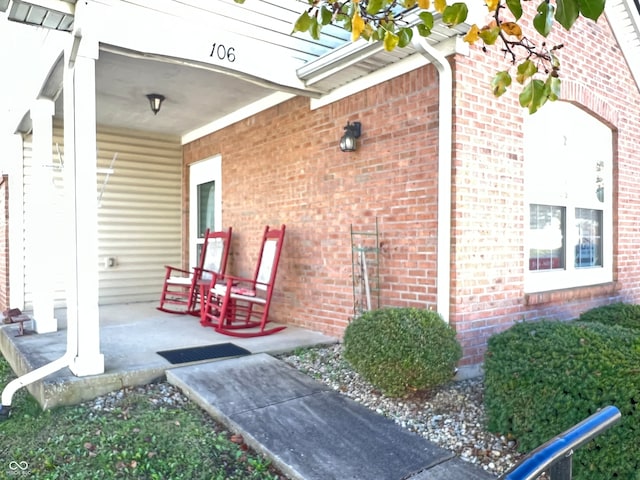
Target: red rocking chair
[(181, 290), (235, 304)]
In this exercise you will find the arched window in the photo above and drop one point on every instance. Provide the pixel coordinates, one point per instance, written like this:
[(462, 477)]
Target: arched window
[(568, 192)]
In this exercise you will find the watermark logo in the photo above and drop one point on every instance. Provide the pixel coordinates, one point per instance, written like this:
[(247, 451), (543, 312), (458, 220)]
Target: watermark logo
[(18, 468)]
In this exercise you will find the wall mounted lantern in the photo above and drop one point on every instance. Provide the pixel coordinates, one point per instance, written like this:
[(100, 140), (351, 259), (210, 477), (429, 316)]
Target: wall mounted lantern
[(351, 132), (155, 102)]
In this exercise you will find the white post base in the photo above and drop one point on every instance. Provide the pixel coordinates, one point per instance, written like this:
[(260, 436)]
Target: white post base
[(45, 324), (87, 365)]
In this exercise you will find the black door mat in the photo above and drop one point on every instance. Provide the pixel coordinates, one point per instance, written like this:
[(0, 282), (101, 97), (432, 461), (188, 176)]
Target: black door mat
[(207, 352)]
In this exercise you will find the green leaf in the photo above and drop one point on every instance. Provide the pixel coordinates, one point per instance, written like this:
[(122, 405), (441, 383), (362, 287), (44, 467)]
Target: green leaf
[(405, 34), (489, 35), (303, 23), (500, 83), (427, 19), (553, 88), (543, 21), (374, 6), (591, 9), (423, 30), (533, 96), (515, 7), (239, 1), (567, 12), (326, 15), (314, 30), (526, 69), (455, 14)]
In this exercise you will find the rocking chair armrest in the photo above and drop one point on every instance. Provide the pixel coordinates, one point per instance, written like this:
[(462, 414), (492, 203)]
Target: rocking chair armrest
[(215, 277), (238, 285), (233, 280), (204, 270), (243, 286), (176, 269)]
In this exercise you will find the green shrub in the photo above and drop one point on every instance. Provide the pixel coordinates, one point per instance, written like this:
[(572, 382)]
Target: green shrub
[(542, 378), (400, 350), (621, 314)]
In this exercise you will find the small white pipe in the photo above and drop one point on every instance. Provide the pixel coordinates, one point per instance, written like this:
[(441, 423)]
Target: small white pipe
[(445, 123)]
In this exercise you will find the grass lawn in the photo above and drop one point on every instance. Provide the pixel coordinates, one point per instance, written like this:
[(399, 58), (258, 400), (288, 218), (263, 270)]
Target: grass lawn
[(135, 440)]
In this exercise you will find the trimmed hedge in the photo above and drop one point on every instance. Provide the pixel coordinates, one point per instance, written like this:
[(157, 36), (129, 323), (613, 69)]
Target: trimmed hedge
[(622, 314), (542, 378), (401, 350)]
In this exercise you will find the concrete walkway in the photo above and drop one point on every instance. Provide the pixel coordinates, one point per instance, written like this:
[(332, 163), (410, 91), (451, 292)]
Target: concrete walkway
[(308, 430)]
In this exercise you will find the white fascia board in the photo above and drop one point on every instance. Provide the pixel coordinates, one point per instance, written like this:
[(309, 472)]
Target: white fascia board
[(448, 47), (240, 114), (625, 23), (201, 41)]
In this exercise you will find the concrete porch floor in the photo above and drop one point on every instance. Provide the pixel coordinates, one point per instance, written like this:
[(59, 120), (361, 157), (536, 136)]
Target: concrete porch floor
[(130, 336)]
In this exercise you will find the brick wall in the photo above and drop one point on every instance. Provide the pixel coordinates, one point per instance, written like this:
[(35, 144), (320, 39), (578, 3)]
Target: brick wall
[(284, 166), (489, 228), (4, 243)]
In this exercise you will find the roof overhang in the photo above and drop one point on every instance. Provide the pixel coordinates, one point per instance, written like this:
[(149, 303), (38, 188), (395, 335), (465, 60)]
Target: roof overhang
[(354, 60), (624, 17), (169, 47), (53, 14)]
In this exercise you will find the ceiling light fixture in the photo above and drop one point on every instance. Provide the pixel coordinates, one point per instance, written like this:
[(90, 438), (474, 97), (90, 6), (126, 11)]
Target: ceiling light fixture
[(155, 102)]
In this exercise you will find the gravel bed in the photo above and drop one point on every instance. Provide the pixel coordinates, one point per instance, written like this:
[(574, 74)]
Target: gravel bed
[(451, 416), (160, 394)]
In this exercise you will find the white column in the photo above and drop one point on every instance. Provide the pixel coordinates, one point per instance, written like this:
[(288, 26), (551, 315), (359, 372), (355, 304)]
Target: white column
[(80, 157), (40, 248)]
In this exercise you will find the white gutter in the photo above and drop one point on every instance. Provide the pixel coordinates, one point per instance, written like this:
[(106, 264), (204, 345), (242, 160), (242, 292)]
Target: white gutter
[(340, 58), (445, 123)]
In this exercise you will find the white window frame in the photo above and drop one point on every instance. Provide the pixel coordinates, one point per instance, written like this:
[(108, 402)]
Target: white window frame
[(562, 136)]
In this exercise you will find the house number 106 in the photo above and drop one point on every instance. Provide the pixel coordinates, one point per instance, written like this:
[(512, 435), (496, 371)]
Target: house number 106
[(223, 52)]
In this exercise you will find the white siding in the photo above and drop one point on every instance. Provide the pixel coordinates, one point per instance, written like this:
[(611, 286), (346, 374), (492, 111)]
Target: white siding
[(139, 214), (55, 238)]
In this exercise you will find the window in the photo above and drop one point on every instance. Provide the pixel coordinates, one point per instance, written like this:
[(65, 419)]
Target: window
[(568, 185), (547, 227), (206, 207)]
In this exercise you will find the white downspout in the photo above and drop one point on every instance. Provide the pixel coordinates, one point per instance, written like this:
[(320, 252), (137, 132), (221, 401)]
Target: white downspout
[(33, 376), (445, 124), (39, 373)]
